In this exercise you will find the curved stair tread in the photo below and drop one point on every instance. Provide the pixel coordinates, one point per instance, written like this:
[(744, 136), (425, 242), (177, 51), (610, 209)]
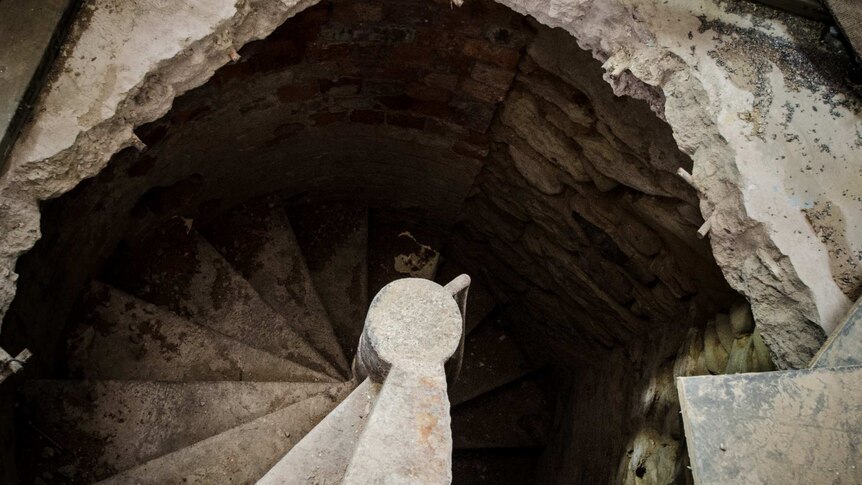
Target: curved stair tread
[(495, 467), (104, 427), (480, 302), (178, 269), (398, 249), (123, 337), (492, 358), (229, 304), (239, 455), (334, 242), (324, 454), (513, 416), (257, 239)]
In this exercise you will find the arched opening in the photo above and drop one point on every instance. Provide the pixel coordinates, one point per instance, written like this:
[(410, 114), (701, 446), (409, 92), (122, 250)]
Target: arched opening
[(495, 142)]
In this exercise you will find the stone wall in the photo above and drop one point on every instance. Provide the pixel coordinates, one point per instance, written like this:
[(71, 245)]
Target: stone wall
[(579, 202), (619, 416), (565, 194), (784, 232)]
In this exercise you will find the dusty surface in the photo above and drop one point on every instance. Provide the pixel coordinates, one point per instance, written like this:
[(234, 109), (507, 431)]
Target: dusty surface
[(782, 427), (727, 115), (586, 210), (111, 78)]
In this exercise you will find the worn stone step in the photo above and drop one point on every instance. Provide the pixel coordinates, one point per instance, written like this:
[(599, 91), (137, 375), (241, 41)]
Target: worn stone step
[(492, 358), (513, 416), (495, 467), (844, 346), (104, 427), (257, 239), (323, 454), (123, 337), (240, 455), (480, 302), (399, 248), (178, 269), (334, 242), (796, 426)]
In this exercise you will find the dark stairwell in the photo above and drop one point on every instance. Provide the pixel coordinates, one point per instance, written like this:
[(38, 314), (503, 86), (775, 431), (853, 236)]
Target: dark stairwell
[(401, 138)]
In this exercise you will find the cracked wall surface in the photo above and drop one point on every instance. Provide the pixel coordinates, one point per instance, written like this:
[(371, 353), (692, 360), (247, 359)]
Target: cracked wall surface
[(772, 133), (544, 147)]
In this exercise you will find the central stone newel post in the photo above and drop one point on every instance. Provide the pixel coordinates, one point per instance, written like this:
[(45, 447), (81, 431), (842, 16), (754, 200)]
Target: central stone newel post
[(412, 329)]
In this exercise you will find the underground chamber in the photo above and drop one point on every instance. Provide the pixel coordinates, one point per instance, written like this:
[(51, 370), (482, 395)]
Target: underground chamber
[(212, 282)]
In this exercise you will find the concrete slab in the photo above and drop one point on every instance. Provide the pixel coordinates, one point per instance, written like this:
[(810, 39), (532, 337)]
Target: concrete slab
[(29, 30), (774, 428), (513, 416), (334, 241), (239, 455), (844, 346), (256, 238), (492, 358), (122, 337), (115, 425), (323, 454)]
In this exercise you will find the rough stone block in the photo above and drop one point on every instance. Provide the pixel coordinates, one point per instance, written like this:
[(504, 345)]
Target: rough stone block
[(499, 56), (739, 357), (295, 93), (741, 320)]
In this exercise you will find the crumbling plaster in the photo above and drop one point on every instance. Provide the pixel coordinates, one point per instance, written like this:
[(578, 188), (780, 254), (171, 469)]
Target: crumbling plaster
[(784, 211)]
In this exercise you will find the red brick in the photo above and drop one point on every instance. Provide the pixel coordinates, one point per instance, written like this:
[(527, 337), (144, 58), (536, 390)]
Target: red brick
[(321, 119), (434, 109), (398, 102), (233, 72), (442, 80), (326, 52), (482, 92), (142, 166), (492, 76), (290, 93), (498, 56), (288, 129), (358, 12), (470, 150), (405, 120), (345, 86), (444, 128), (152, 133), (189, 113), (367, 116), (275, 56), (423, 92), (472, 115)]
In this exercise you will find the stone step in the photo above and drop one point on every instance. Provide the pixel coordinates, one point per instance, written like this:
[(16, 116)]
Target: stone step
[(122, 337), (495, 467), (844, 346), (178, 269), (480, 302), (257, 239), (399, 249), (492, 358), (334, 241), (104, 427), (513, 416), (240, 455), (798, 426), (323, 455)]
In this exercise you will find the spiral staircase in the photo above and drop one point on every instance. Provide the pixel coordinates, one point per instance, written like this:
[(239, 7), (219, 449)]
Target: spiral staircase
[(222, 354)]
